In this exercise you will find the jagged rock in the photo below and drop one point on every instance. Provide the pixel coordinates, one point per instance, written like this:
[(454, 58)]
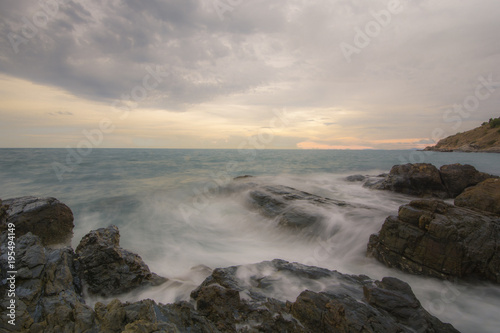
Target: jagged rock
[(457, 177), (485, 196), (108, 269), (419, 179), (47, 218), (47, 290), (240, 297), (430, 237)]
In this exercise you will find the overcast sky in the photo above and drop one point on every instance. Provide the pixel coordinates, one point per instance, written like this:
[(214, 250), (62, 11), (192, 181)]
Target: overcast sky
[(215, 73)]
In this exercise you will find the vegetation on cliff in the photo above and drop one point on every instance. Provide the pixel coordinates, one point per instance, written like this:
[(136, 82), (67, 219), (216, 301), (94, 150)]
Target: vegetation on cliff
[(485, 138)]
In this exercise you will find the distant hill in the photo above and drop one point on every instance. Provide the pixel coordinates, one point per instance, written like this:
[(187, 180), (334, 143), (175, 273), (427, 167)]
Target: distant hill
[(485, 138)]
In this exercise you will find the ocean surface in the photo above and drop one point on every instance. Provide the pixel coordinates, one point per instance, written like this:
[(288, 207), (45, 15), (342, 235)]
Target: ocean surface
[(170, 210)]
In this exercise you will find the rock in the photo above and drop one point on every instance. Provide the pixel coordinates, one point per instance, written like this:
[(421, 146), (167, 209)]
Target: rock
[(108, 269), (425, 180), (273, 296), (3, 213), (457, 177), (375, 182), (291, 208), (430, 237), (419, 179), (47, 218), (468, 148), (148, 316), (47, 290), (242, 177), (355, 178), (256, 297), (485, 196)]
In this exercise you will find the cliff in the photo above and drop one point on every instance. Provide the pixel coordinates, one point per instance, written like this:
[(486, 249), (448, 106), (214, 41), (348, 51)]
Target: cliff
[(485, 138)]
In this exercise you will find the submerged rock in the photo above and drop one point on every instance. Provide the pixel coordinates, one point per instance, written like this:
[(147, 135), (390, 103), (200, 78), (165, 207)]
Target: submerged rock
[(430, 237), (355, 178), (47, 218), (107, 269), (289, 207), (276, 202), (485, 196)]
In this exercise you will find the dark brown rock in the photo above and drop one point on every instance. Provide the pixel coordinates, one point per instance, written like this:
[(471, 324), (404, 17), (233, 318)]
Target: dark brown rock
[(47, 218), (457, 177), (485, 196), (419, 179), (430, 237), (107, 269), (387, 306)]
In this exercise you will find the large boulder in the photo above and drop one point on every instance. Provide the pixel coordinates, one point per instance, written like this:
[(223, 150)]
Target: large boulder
[(108, 269), (431, 237), (47, 218), (419, 179), (457, 177), (485, 196)]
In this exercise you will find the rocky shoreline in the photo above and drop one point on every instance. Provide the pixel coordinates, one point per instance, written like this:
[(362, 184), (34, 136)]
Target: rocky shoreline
[(427, 237)]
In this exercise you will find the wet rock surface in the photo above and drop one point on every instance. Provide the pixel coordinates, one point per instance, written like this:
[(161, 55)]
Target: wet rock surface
[(431, 237), (47, 218), (291, 208)]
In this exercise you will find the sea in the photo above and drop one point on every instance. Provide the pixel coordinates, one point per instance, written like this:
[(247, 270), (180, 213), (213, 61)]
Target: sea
[(170, 208)]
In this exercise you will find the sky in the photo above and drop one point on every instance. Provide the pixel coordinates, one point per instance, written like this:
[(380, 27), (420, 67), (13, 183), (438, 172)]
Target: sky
[(287, 74)]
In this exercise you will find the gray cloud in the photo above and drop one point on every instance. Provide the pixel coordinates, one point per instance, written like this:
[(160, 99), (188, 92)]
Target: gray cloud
[(61, 113), (275, 53)]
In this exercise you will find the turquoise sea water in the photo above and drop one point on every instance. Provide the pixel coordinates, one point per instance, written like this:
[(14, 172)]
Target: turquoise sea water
[(168, 208)]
